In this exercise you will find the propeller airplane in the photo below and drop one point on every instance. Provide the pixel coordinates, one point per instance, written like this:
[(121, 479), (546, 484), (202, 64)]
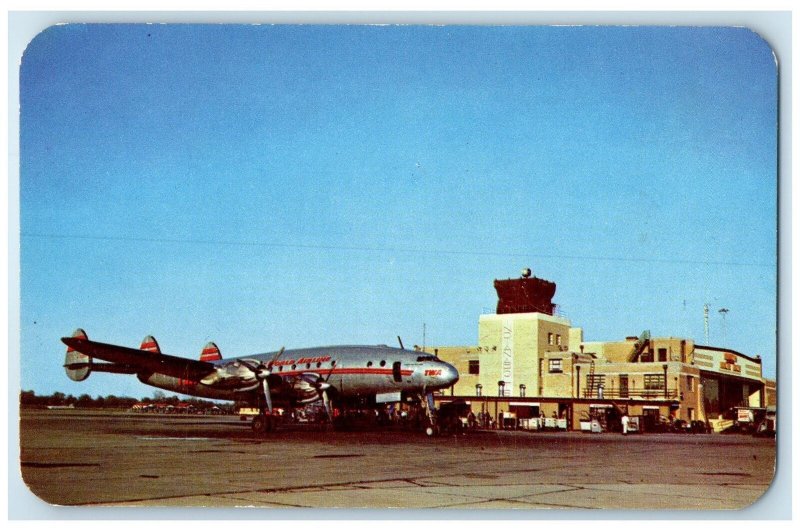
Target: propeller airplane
[(345, 375)]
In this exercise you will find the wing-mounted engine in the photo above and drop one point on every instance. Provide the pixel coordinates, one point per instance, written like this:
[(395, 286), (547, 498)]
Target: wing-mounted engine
[(246, 375), (308, 387), (238, 374), (77, 365)]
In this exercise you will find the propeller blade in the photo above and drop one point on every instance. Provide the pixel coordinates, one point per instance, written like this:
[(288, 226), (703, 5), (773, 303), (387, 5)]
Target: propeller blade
[(278, 355), (327, 403), (267, 395)]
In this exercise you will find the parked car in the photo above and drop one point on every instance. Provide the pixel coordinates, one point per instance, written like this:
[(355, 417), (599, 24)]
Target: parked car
[(768, 424)]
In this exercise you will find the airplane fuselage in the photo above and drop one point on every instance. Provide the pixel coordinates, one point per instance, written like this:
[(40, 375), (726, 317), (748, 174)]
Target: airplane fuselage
[(351, 371)]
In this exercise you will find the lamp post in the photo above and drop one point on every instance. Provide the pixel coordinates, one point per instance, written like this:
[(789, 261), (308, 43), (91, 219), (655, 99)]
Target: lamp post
[(501, 388), (479, 392), (665, 379), (522, 390)]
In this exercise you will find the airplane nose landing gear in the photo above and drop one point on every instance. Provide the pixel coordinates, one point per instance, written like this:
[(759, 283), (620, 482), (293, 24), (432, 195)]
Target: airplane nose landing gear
[(432, 425)]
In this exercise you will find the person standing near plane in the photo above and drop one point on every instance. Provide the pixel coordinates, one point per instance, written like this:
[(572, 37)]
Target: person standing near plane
[(625, 421)]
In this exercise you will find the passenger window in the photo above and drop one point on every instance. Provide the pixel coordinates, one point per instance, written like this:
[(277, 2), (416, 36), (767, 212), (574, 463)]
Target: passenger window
[(308, 365), (319, 364), (294, 366), (369, 364)]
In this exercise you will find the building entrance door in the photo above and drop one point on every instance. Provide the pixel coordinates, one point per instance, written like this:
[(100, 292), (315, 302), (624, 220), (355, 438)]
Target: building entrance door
[(623, 386)]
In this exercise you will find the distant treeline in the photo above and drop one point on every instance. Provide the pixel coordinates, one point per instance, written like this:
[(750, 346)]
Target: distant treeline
[(30, 399)]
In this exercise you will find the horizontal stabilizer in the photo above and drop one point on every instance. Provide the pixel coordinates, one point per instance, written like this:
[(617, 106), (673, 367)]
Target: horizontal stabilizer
[(210, 352), (136, 360)]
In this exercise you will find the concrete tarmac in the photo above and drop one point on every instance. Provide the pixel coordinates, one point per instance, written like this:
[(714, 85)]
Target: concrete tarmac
[(92, 458)]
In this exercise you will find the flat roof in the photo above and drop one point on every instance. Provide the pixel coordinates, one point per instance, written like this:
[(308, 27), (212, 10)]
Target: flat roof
[(720, 349)]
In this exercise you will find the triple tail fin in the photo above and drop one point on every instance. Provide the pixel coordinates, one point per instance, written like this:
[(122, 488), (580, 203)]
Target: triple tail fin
[(77, 365), (210, 352), (150, 344)]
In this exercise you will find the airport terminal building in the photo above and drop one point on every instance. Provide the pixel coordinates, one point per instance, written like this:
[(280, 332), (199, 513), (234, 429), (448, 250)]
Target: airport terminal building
[(532, 364)]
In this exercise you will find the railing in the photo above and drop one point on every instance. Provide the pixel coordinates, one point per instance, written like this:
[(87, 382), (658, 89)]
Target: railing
[(631, 392)]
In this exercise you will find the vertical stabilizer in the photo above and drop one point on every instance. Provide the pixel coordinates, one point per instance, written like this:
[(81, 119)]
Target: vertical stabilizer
[(210, 352), (150, 344), (77, 365)]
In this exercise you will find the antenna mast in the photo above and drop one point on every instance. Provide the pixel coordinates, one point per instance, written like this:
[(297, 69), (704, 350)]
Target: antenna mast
[(705, 321)]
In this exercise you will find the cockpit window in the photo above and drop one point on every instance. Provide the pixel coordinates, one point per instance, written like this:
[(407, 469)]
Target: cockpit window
[(428, 358)]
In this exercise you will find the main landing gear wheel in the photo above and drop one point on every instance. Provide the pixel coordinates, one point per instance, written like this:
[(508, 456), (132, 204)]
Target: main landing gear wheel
[(431, 431), (263, 424)]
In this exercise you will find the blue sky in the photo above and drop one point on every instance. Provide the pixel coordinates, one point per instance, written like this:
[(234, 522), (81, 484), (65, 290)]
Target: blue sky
[(268, 186)]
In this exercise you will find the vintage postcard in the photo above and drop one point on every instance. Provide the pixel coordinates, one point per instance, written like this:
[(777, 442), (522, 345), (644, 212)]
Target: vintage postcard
[(304, 266)]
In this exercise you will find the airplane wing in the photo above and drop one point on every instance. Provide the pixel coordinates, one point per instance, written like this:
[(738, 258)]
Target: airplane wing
[(141, 360)]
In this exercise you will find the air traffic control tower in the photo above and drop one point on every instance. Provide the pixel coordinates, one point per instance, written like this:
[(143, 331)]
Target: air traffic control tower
[(511, 343), (526, 294)]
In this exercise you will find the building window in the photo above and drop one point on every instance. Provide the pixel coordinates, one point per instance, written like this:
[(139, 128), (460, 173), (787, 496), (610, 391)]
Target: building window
[(558, 339), (654, 381), (474, 367), (555, 366), (662, 354), (690, 383), (550, 338)]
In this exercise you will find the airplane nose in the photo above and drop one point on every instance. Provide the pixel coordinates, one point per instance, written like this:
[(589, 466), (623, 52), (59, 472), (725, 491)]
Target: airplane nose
[(449, 375)]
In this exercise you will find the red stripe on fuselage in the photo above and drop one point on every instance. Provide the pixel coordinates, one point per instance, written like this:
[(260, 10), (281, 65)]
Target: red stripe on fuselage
[(343, 370)]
